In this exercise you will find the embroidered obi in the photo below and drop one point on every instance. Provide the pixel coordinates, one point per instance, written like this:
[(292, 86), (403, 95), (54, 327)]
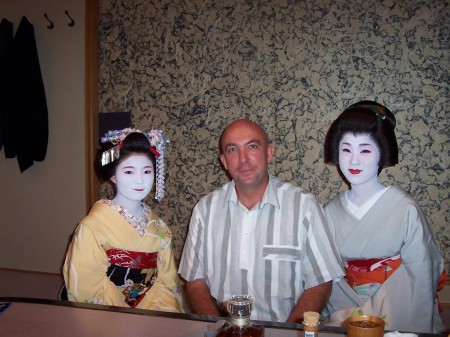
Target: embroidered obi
[(366, 276), (133, 272), (130, 259)]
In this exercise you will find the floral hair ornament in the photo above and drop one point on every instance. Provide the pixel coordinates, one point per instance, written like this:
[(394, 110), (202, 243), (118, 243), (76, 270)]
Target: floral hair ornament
[(158, 143)]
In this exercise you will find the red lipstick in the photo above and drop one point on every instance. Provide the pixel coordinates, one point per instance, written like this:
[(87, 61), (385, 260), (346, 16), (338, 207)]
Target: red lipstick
[(353, 171)]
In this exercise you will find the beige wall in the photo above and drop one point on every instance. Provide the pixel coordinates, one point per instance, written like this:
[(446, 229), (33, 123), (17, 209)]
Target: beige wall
[(190, 67), (41, 207)]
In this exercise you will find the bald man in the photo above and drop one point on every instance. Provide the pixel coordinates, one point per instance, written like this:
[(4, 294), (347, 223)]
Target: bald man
[(257, 235)]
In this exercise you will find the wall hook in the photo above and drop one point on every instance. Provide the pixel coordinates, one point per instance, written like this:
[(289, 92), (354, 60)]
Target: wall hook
[(51, 25), (72, 22)]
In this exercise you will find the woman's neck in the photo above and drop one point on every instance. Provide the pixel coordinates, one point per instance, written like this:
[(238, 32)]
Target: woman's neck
[(360, 194), (132, 206)]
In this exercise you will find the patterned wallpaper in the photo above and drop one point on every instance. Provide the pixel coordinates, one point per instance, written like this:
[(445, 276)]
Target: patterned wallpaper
[(190, 67)]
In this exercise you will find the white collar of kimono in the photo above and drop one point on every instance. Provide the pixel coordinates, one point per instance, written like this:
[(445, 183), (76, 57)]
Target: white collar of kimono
[(360, 211)]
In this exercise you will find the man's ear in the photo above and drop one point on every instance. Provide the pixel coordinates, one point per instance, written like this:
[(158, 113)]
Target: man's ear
[(270, 153), (223, 161)]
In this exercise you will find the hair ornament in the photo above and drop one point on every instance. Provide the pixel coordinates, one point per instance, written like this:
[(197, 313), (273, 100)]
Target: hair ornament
[(378, 111), (158, 143), (110, 155)]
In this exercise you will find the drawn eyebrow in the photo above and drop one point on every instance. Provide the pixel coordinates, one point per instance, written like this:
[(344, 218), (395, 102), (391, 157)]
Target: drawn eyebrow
[(363, 144)]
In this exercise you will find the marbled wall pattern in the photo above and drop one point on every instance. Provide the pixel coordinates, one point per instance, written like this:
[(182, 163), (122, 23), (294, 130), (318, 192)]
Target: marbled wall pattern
[(191, 67)]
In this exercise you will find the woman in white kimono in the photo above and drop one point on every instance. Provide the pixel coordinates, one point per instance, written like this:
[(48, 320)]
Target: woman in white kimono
[(121, 252), (393, 265)]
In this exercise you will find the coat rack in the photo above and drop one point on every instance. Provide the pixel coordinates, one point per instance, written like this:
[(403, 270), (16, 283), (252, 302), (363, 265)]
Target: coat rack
[(72, 22), (52, 25)]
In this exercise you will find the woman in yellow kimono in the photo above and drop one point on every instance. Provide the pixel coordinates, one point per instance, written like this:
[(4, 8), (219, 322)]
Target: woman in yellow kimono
[(121, 251)]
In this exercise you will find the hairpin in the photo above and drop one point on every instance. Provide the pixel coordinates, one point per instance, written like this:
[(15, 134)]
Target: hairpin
[(378, 111)]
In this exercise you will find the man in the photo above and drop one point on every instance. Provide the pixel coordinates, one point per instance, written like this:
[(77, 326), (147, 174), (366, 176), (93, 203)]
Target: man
[(257, 235)]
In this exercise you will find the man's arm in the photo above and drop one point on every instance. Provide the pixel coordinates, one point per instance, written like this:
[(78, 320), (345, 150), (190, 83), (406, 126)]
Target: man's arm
[(200, 300), (312, 299)]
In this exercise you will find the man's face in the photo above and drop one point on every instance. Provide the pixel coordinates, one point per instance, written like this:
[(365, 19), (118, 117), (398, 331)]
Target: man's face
[(246, 154), (134, 178)]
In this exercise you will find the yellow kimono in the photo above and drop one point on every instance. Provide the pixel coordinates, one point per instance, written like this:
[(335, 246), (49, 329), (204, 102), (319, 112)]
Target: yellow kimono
[(93, 272)]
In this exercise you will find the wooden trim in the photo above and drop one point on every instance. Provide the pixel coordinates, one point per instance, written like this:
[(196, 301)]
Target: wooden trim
[(91, 105), (23, 271)]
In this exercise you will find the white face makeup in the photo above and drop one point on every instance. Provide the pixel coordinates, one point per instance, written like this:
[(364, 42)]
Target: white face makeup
[(358, 159), (134, 179)]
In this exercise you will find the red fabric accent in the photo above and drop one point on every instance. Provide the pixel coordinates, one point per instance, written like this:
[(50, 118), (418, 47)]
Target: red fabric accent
[(442, 280), (441, 285), (365, 265), (153, 150), (131, 259), (358, 271)]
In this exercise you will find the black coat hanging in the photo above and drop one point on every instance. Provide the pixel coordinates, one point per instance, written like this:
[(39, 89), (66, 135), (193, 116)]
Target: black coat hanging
[(26, 125)]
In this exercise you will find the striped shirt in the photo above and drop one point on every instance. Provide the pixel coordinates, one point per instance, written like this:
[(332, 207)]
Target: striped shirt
[(272, 252)]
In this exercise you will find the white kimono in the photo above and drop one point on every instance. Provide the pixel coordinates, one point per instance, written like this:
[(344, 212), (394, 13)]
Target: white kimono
[(394, 224)]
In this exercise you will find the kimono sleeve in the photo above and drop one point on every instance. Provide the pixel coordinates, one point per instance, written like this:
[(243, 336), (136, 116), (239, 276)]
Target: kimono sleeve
[(85, 271), (165, 294)]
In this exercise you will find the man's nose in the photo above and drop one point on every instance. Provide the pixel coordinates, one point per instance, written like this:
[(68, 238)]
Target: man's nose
[(243, 156)]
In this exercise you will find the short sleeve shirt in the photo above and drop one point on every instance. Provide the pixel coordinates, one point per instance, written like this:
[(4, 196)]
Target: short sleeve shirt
[(272, 252)]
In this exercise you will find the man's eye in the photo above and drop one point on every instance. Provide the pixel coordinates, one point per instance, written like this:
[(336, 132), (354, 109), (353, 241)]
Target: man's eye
[(253, 146), (231, 149)]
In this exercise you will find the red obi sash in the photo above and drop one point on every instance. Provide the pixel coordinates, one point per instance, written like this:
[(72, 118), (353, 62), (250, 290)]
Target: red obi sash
[(360, 272), (131, 259), (441, 285)]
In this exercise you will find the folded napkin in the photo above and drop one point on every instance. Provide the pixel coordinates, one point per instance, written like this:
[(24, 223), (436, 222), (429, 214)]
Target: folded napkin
[(399, 334)]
